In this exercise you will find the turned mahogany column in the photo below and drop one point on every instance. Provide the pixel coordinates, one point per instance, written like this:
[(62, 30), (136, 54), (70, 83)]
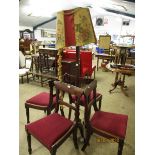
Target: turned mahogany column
[(78, 65)]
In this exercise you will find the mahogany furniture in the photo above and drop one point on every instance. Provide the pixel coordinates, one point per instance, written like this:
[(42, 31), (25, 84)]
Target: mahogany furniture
[(122, 56), (106, 124), (121, 71), (54, 129), (72, 80), (42, 101), (103, 56), (69, 66), (44, 65)]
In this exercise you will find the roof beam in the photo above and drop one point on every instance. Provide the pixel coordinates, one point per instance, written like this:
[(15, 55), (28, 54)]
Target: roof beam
[(120, 13), (45, 22)]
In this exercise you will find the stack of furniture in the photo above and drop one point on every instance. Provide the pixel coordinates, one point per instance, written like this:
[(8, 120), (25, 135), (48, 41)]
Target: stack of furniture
[(86, 67)]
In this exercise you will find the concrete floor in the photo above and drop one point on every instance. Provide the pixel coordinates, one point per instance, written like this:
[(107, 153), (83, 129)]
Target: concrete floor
[(115, 102)]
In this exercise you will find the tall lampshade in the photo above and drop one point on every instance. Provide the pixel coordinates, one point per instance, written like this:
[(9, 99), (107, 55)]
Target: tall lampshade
[(73, 28)]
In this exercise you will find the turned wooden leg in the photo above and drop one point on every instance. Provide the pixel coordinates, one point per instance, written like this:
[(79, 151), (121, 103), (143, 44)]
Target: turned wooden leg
[(75, 138), (120, 146), (27, 114), (29, 143)]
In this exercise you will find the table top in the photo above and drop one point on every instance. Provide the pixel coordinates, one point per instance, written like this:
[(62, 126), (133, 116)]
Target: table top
[(52, 49), (127, 69), (124, 46)]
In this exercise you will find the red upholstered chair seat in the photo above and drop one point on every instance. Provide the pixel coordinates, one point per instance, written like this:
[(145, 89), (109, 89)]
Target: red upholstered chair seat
[(82, 100), (49, 129), (111, 123), (41, 99)]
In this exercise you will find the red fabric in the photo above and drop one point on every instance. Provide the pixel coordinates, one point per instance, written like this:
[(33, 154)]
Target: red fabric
[(69, 28), (49, 129), (82, 99), (84, 71), (69, 55), (115, 124), (41, 99), (86, 62)]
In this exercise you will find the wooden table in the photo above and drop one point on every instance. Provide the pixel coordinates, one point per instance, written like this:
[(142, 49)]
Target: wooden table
[(122, 56), (121, 72), (103, 56)]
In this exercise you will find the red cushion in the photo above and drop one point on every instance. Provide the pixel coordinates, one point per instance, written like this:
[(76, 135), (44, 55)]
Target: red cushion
[(112, 123), (41, 99), (82, 99), (49, 129)]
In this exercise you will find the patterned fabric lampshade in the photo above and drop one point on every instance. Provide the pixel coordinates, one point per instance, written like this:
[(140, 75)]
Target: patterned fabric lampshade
[(74, 28)]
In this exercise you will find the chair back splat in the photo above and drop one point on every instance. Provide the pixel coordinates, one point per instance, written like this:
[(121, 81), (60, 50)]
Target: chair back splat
[(54, 129)]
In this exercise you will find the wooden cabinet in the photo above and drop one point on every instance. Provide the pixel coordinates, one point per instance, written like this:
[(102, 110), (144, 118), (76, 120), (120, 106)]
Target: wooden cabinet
[(69, 66)]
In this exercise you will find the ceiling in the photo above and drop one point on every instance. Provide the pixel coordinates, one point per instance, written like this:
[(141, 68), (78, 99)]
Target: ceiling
[(42, 13)]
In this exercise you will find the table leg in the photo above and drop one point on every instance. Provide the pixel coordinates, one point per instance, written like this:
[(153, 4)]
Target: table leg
[(97, 62), (115, 83), (119, 82)]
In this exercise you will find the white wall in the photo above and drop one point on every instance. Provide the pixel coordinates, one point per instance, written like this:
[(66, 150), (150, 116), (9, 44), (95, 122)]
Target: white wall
[(37, 34), (25, 27), (114, 26)]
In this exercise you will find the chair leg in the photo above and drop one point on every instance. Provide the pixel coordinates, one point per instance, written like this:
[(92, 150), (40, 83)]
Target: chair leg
[(80, 126), (75, 138), (120, 146), (27, 75), (88, 135), (27, 114), (29, 143), (48, 111), (53, 151), (100, 101), (22, 79)]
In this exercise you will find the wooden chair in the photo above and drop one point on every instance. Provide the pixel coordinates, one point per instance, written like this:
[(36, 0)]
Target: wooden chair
[(44, 61), (109, 125), (54, 129), (104, 43), (72, 80), (25, 71), (42, 101)]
